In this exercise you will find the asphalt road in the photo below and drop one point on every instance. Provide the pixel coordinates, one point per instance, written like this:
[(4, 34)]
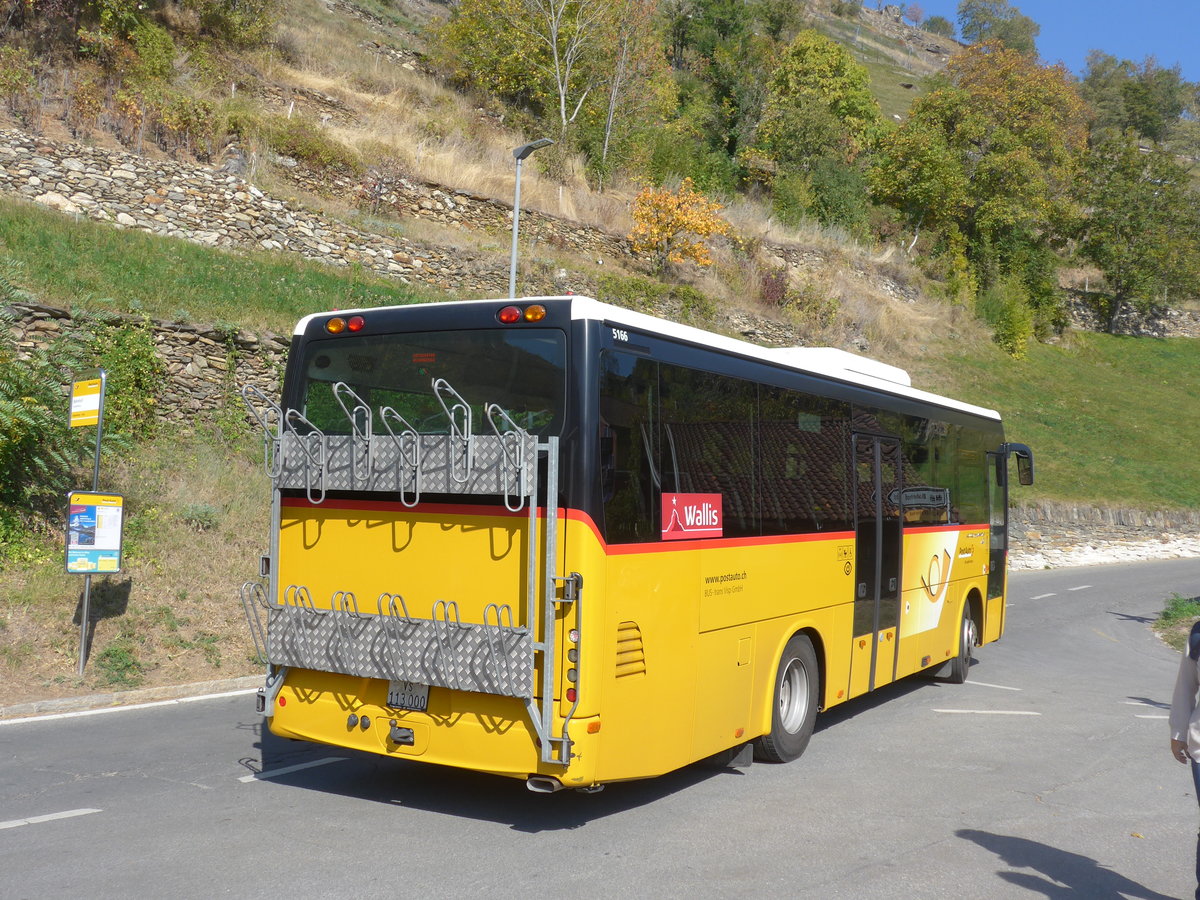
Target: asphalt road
[(1047, 774)]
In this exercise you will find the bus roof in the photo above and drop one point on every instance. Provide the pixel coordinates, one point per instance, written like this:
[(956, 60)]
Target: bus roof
[(825, 362)]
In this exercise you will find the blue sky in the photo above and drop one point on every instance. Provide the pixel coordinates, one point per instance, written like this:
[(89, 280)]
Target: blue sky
[(1169, 30)]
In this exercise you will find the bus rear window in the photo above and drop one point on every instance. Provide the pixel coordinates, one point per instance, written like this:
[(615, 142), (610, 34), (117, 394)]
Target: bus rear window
[(523, 371)]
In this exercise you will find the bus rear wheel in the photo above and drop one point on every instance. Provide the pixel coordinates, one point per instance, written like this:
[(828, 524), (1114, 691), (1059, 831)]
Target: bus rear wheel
[(794, 712)]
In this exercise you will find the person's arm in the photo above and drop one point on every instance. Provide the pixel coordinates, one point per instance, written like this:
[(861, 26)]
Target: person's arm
[(1183, 704)]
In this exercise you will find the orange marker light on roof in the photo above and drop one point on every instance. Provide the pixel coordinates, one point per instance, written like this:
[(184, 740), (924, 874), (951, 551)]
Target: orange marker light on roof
[(509, 315), (336, 325), (356, 323), (535, 313)]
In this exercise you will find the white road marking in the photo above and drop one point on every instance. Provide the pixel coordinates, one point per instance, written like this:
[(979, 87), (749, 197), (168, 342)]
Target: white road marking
[(112, 709), (999, 687), (1082, 587), (34, 820), (287, 770), (1041, 596), (1151, 717), (989, 712)]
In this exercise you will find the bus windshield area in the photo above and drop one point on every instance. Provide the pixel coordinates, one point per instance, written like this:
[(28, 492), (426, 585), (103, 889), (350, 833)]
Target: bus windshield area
[(523, 371)]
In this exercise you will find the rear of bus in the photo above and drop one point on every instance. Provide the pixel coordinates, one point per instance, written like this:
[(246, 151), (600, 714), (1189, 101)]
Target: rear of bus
[(417, 600)]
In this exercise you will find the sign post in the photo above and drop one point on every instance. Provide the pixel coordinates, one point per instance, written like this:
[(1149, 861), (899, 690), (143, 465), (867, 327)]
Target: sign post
[(87, 408)]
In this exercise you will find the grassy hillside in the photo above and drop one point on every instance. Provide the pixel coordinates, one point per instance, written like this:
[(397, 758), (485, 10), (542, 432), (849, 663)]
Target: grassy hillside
[(1109, 418)]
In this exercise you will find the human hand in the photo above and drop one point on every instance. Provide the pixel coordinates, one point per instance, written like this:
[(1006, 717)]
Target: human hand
[(1179, 750)]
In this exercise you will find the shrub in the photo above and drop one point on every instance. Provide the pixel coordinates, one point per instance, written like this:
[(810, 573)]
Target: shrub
[(773, 285), (1005, 306), (16, 75), (37, 447), (673, 226), (243, 23), (85, 100), (200, 516), (127, 353), (155, 50), (305, 140), (791, 198)]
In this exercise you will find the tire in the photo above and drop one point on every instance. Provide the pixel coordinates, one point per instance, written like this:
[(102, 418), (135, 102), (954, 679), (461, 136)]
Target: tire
[(960, 666), (794, 708)]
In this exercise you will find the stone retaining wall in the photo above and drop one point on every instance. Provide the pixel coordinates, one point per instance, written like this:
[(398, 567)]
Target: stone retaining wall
[(204, 366), (220, 209)]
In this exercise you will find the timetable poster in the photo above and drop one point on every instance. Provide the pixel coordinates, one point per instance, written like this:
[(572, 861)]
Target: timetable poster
[(94, 523)]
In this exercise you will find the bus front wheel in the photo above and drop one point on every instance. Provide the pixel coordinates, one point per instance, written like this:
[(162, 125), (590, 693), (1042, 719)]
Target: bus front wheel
[(960, 666), (794, 712)]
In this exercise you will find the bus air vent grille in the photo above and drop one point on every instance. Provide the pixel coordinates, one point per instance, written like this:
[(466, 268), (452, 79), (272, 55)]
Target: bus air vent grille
[(631, 655)]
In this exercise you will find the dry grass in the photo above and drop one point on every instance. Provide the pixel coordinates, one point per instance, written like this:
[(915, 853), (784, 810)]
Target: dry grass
[(196, 520)]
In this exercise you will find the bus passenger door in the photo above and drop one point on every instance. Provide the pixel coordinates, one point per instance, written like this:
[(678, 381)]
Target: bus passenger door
[(878, 537)]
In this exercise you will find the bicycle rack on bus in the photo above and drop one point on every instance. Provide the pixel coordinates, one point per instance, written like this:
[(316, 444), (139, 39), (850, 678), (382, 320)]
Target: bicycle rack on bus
[(496, 656)]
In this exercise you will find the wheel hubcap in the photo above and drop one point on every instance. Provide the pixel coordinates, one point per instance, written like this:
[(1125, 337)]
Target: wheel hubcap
[(793, 697)]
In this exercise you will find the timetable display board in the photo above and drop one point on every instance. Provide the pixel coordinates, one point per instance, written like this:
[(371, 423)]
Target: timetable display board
[(95, 523)]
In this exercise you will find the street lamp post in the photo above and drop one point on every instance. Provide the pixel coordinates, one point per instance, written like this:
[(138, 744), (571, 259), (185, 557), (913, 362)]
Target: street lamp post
[(519, 154)]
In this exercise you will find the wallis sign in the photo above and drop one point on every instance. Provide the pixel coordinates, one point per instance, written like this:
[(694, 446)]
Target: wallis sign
[(686, 516)]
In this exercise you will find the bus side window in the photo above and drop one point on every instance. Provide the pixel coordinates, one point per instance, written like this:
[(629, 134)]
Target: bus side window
[(628, 439)]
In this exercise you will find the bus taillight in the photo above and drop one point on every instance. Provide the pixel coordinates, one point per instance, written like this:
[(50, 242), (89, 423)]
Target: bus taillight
[(356, 323), (510, 315)]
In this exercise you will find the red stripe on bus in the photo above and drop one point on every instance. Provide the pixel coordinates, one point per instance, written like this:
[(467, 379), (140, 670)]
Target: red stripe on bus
[(934, 529), (573, 515)]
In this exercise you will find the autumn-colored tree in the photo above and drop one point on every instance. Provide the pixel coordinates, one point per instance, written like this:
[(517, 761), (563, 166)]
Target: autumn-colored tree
[(1141, 226), (672, 226)]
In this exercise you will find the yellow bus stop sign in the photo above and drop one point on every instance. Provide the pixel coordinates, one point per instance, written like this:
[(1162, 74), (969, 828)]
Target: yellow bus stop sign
[(85, 402)]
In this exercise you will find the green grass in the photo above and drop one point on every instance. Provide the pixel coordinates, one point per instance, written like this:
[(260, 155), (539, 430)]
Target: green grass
[(160, 276), (887, 75), (1174, 623), (1111, 420)]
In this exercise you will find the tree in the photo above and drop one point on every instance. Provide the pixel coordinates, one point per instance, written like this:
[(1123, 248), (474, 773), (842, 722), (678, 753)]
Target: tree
[(915, 13), (566, 30), (672, 226), (916, 171), (940, 26), (996, 20), (637, 86), (1141, 226), (1123, 95), (816, 91), (987, 157)]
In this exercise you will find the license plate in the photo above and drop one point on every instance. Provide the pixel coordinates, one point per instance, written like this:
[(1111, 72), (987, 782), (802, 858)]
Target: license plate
[(408, 695)]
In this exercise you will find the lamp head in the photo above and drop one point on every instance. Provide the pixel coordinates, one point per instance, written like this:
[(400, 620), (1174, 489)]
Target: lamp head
[(525, 149)]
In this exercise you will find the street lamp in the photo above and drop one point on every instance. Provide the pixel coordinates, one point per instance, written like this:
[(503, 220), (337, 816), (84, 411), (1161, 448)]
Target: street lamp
[(519, 154)]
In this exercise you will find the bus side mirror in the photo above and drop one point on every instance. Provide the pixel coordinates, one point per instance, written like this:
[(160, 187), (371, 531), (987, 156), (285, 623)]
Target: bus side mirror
[(1024, 461), (1024, 469)]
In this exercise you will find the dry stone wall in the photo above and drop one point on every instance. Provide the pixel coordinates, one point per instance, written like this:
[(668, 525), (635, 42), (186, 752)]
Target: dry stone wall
[(220, 209), (204, 367)]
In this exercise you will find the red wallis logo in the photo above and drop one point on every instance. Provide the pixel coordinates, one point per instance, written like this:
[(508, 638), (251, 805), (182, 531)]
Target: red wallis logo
[(686, 516)]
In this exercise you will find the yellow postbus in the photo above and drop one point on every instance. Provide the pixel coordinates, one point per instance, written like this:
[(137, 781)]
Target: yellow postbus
[(562, 541)]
